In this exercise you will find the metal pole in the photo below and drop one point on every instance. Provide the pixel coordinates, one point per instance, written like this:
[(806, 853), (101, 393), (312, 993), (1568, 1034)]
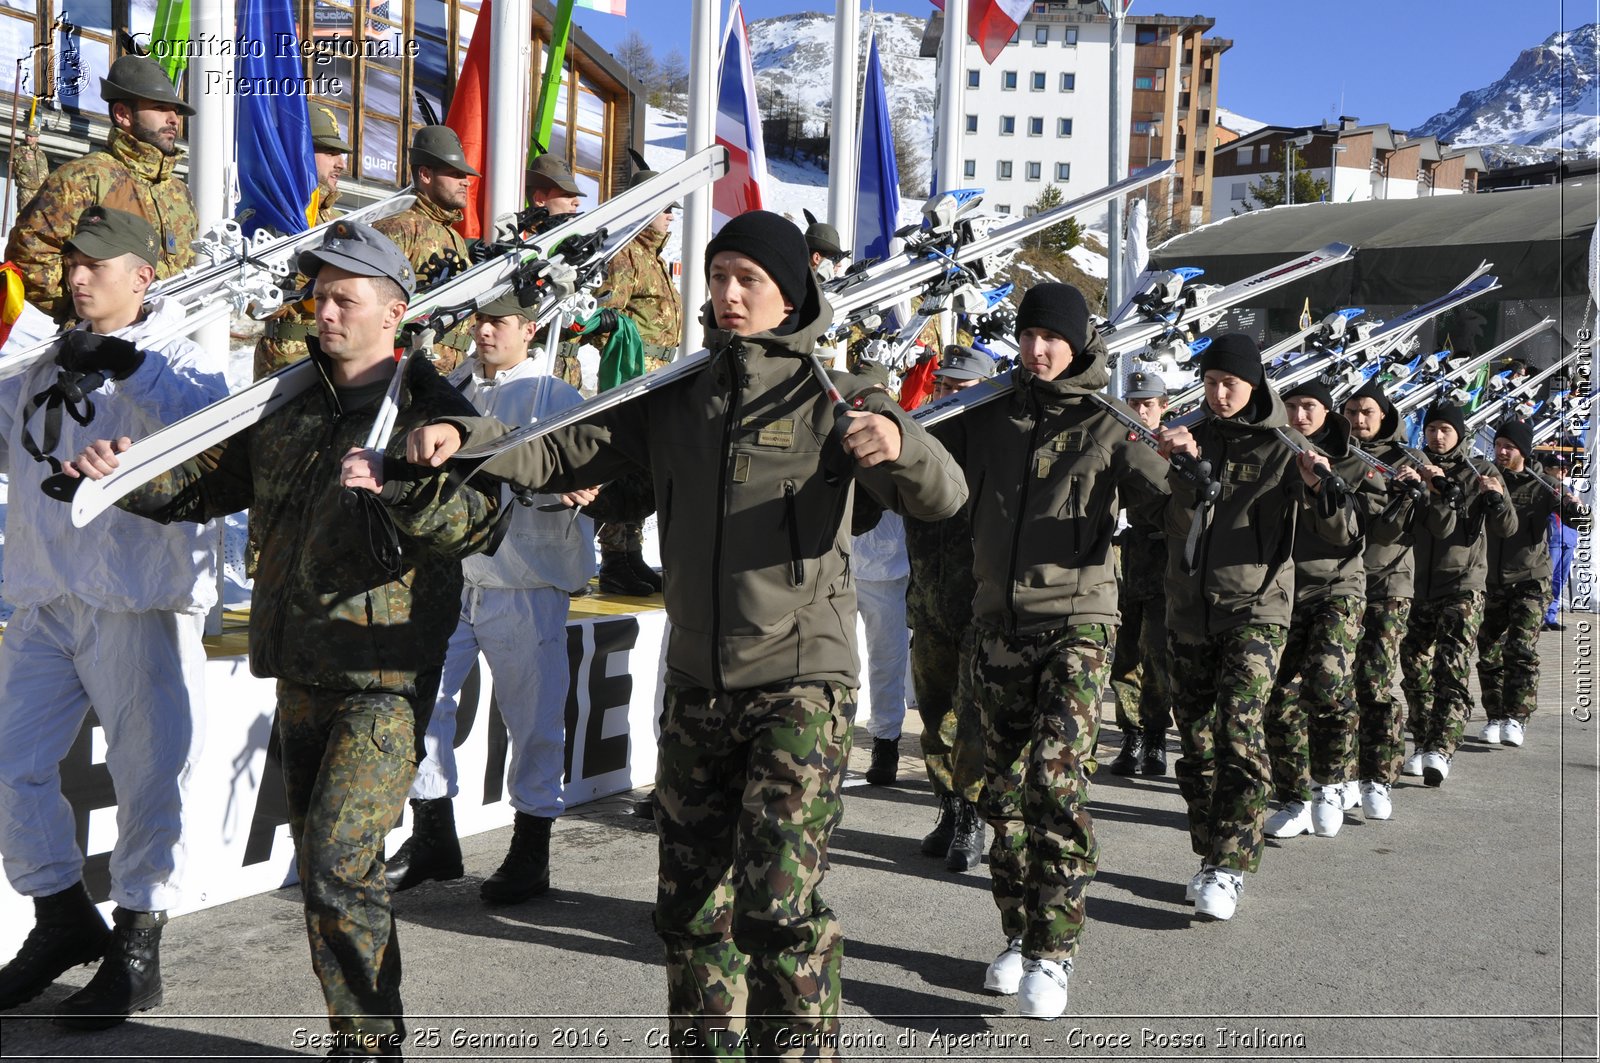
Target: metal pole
[(1116, 9), (510, 60), (1288, 171), (842, 138), (952, 105), (702, 134)]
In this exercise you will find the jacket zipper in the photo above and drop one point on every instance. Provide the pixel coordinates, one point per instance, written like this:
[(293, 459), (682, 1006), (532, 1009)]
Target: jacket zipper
[(1072, 516), (736, 374), (1017, 521), (794, 534), (1203, 562)]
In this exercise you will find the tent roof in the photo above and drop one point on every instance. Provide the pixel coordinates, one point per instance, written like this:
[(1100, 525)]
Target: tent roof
[(1407, 250)]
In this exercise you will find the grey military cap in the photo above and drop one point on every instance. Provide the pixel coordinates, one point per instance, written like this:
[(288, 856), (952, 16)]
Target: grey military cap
[(1145, 386), (960, 362), (358, 248)]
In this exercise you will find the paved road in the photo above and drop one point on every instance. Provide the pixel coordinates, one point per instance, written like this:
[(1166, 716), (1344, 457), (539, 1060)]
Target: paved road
[(1463, 928)]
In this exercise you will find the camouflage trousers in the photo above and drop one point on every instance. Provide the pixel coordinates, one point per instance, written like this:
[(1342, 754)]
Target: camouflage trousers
[(747, 794), (1311, 720), (1141, 669), (1434, 658), (349, 757), (568, 368), (1039, 696), (952, 730), (1381, 728), (1222, 686), (1508, 649), (620, 537)]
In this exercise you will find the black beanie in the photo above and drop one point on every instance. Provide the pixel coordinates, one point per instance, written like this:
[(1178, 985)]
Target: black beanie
[(1374, 391), (1520, 435), (1450, 414), (775, 243), (1311, 389), (1235, 353), (1059, 308)]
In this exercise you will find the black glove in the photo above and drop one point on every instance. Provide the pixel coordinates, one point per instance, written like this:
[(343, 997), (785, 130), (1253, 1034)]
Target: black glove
[(482, 251), (84, 352), (606, 323)]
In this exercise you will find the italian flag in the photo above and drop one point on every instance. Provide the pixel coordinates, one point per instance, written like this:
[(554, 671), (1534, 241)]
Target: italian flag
[(605, 7)]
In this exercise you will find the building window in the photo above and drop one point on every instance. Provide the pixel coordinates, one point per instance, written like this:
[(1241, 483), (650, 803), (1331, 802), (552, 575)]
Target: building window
[(1016, 34), (1241, 190), (1037, 84), (1041, 36), (1069, 82), (1002, 169), (1063, 127), (972, 123), (1070, 37), (972, 79), (1145, 82), (969, 169), (1008, 80), (1034, 169), (1063, 172), (1147, 35), (1003, 208), (1141, 127), (1036, 127), (1008, 124)]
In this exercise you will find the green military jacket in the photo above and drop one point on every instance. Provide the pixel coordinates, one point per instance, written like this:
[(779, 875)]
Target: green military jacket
[(941, 588), (1390, 572), (1338, 570), (422, 231), (29, 168), (1047, 470), (1525, 555), (1244, 572), (641, 286), (754, 496), (326, 611), (126, 174), (1457, 562)]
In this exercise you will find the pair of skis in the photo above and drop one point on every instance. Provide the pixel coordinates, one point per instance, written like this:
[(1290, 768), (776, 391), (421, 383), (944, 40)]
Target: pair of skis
[(530, 260)]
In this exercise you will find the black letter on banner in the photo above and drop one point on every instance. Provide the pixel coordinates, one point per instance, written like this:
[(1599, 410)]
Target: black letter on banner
[(602, 755), (87, 786)]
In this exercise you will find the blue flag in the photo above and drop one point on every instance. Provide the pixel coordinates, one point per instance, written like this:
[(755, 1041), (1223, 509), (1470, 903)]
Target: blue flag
[(277, 171), (878, 187)]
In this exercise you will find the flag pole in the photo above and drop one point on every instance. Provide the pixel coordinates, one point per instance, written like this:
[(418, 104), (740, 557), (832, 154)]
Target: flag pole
[(701, 135), (845, 131), (1118, 10), (559, 31), (952, 85), (510, 60)]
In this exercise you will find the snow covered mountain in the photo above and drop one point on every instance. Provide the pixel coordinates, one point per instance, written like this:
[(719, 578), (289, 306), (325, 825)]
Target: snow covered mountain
[(1547, 102)]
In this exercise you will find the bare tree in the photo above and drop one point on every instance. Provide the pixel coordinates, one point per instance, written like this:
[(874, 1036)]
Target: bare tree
[(638, 59)]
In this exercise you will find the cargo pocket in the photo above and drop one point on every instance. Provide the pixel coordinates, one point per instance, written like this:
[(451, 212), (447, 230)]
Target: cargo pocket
[(371, 776)]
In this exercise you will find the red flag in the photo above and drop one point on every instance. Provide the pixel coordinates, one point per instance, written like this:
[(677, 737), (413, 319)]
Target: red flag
[(917, 385), (990, 23), (469, 117), (738, 127)]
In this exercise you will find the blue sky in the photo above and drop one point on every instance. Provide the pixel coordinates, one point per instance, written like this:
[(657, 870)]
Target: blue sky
[(1396, 61)]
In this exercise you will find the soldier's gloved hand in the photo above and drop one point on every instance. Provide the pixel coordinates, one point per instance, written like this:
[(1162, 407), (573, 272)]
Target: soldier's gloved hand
[(83, 351), (605, 322), (481, 251)]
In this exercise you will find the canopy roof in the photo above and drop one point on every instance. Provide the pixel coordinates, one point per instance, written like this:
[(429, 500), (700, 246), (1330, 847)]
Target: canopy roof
[(1407, 250)]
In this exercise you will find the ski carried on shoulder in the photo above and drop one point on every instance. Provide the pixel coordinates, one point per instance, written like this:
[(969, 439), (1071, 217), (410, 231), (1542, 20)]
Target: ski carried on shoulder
[(483, 283)]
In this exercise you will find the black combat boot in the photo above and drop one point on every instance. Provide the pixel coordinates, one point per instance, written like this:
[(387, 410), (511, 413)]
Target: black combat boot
[(1127, 761), (646, 574), (885, 766), (966, 848), (937, 843), (617, 576), (129, 979), (1155, 754), (432, 852), (67, 930), (526, 870)]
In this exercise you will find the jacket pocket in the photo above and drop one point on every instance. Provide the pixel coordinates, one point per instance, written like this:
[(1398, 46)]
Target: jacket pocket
[(791, 509)]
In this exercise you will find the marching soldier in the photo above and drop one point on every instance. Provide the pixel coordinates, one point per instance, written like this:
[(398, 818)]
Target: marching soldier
[(761, 670), (29, 167), (1451, 574), (284, 340), (1518, 588), (135, 172), (355, 637), (1229, 603), (826, 254), (425, 233), (550, 185), (1048, 467), (1141, 668), (1377, 427)]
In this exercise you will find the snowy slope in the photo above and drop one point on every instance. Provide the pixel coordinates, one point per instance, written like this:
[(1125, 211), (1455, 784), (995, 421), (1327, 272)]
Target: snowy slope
[(1547, 101), (1237, 122)]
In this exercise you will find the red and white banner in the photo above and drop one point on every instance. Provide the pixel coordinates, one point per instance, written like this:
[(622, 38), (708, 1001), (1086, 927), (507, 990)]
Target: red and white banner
[(738, 127), (990, 23)]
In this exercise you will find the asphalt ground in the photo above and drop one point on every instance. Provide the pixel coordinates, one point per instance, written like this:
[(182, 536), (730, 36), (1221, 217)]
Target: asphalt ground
[(1463, 928)]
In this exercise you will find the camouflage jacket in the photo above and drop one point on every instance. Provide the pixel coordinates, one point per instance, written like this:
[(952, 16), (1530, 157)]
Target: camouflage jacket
[(28, 170), (1457, 562), (326, 612), (126, 174), (421, 232), (641, 287), (284, 342)]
